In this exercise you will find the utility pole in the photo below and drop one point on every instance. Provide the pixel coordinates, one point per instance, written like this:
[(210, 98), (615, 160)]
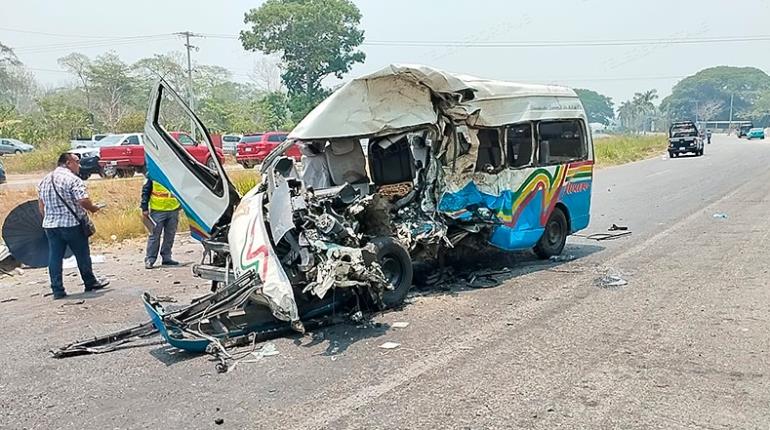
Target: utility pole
[(730, 124), (190, 94)]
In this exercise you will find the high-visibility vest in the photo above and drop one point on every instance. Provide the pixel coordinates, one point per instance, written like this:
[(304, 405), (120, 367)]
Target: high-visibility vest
[(161, 199)]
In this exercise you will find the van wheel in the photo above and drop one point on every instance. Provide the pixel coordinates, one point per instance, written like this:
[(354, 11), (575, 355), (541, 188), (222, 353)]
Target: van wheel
[(554, 235), (17, 152), (397, 267), (211, 164)]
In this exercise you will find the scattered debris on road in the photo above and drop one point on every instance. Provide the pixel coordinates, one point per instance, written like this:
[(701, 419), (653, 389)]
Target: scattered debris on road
[(9, 299), (562, 258), (611, 281), (616, 227), (400, 324), (73, 303), (390, 345), (720, 215)]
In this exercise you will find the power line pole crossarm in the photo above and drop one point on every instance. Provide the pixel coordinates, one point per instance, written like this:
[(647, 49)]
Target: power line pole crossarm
[(190, 93)]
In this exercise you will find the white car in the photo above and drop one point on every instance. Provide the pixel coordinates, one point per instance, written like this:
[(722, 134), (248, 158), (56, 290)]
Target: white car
[(230, 143)]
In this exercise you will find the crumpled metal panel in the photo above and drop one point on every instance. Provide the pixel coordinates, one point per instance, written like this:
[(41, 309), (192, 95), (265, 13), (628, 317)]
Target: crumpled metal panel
[(251, 249)]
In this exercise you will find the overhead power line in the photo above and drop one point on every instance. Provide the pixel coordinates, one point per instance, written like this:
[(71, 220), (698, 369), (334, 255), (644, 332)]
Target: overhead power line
[(544, 43)]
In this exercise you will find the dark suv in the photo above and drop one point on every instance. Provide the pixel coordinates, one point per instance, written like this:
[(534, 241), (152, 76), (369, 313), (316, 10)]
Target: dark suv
[(684, 137)]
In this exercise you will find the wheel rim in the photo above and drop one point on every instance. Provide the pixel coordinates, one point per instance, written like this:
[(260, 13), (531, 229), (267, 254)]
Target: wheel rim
[(211, 165), (392, 270), (554, 233)]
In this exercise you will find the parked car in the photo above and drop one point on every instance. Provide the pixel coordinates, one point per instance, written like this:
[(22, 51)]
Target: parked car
[(2, 174), (127, 158), (684, 137), (253, 148), (14, 146), (230, 143), (755, 133), (87, 143), (89, 156)]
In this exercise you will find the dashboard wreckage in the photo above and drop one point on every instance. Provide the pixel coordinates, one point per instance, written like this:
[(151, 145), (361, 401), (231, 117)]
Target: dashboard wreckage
[(399, 167)]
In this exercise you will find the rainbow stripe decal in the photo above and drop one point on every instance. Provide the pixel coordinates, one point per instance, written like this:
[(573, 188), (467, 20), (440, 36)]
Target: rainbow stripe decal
[(543, 187)]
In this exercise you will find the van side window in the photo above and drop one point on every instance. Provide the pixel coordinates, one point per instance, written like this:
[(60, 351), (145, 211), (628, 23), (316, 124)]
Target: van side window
[(490, 155), (132, 140), (276, 138), (561, 142), (519, 143)]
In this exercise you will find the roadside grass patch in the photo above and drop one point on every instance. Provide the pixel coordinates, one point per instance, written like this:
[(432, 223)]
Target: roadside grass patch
[(42, 159), (615, 150), (122, 216)]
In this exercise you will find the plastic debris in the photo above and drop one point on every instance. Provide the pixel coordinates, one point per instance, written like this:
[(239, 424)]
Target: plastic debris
[(611, 281), (400, 324), (390, 345), (9, 299), (71, 263), (562, 258), (616, 227), (720, 215)]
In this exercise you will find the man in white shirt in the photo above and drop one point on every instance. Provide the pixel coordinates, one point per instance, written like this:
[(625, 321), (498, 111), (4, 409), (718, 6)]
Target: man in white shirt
[(63, 201)]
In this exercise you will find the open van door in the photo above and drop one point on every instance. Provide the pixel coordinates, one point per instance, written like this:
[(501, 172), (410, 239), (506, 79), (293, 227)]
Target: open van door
[(206, 194)]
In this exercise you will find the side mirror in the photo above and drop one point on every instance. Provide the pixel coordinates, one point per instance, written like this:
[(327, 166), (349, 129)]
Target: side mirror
[(544, 150)]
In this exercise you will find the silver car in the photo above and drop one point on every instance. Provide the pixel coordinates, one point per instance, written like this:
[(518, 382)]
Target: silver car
[(230, 143), (13, 146)]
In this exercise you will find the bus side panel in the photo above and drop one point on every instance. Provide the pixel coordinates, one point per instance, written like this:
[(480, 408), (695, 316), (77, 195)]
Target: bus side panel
[(576, 194)]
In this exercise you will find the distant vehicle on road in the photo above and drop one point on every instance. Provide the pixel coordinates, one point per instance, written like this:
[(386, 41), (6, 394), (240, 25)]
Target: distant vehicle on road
[(127, 158), (14, 146), (743, 129), (683, 137), (755, 133), (253, 148), (230, 143)]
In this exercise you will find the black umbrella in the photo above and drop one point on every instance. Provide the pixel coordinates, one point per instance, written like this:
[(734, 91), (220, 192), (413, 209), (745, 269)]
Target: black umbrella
[(24, 235)]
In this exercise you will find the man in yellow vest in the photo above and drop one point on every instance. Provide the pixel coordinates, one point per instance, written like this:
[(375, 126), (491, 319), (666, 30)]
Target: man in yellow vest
[(161, 208)]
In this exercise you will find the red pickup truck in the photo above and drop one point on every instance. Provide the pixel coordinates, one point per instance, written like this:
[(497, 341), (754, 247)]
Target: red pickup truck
[(253, 148), (127, 158)]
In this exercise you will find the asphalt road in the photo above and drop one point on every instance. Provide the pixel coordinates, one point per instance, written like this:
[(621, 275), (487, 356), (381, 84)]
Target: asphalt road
[(683, 345)]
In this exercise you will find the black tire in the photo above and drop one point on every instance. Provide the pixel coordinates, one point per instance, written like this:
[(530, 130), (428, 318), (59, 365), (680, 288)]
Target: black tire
[(554, 236), (397, 267), (84, 176), (670, 154), (125, 173), (17, 152)]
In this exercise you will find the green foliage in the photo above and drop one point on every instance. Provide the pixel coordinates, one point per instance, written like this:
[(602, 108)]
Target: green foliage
[(639, 113), (598, 107), (717, 84), (274, 112), (315, 38)]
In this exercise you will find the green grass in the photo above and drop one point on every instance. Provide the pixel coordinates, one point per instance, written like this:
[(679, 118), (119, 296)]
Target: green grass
[(42, 159), (615, 150)]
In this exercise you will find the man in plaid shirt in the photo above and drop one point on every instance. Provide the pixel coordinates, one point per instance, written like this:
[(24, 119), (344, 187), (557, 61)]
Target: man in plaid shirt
[(62, 227)]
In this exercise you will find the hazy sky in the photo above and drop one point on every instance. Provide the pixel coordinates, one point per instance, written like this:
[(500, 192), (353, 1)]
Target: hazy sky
[(617, 71)]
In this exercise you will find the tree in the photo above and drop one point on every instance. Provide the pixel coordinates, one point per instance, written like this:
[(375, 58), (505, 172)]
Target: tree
[(744, 84), (315, 39), (274, 112), (80, 66), (113, 87), (709, 110), (599, 108)]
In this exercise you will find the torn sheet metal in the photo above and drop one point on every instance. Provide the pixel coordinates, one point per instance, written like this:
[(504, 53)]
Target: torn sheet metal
[(251, 250), (398, 97)]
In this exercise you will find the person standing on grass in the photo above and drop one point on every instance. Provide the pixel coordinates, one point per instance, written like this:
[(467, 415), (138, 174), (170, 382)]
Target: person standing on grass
[(63, 202), (161, 208)]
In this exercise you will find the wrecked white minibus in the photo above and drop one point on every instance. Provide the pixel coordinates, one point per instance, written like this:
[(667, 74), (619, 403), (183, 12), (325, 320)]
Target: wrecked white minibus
[(451, 161)]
